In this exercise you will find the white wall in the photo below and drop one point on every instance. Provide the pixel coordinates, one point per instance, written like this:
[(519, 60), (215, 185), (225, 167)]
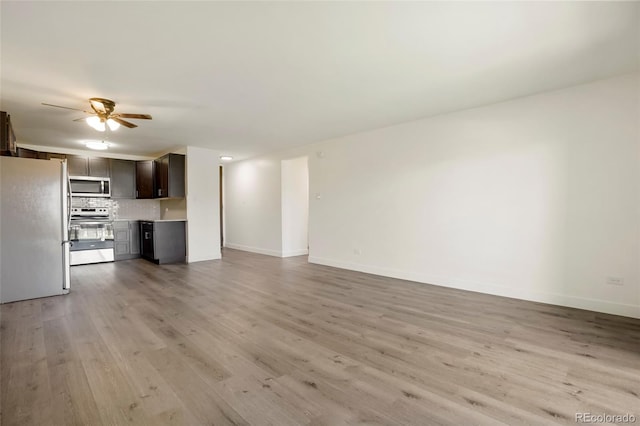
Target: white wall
[(253, 210), (175, 208), (203, 205), (295, 206), (537, 198)]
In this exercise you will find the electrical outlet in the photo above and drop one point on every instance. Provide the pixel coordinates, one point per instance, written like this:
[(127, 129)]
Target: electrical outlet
[(615, 280), (357, 251)]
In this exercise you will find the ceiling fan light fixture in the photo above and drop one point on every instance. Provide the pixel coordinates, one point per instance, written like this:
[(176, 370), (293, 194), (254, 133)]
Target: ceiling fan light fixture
[(100, 146), (97, 123), (101, 114), (113, 124)]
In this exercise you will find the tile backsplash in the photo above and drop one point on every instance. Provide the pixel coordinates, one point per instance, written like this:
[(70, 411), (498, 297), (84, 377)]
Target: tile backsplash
[(91, 202), (122, 209), (136, 209)]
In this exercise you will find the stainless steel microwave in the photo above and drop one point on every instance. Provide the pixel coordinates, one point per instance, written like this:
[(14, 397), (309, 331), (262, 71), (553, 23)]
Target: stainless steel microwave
[(87, 186)]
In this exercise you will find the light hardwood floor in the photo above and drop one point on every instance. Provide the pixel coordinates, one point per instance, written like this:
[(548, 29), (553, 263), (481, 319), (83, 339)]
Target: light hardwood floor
[(259, 340)]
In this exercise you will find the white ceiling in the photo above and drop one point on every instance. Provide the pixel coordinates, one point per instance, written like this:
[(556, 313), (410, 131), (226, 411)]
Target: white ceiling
[(247, 78)]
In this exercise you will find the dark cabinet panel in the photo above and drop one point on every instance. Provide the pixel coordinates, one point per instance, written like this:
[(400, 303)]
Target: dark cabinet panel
[(99, 167), (126, 239), (170, 176), (163, 242), (80, 165), (162, 177), (169, 242), (121, 243), (120, 248), (123, 179), (7, 137), (176, 176), (27, 153), (40, 155), (146, 240), (134, 237), (145, 179)]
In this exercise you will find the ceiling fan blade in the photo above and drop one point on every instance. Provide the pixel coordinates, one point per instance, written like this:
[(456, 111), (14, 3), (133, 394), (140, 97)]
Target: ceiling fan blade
[(124, 123), (80, 119), (102, 106), (97, 106), (73, 109), (139, 116)]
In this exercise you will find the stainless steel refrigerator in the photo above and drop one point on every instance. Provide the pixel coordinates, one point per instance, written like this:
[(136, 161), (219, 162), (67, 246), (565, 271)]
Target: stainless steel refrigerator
[(34, 224)]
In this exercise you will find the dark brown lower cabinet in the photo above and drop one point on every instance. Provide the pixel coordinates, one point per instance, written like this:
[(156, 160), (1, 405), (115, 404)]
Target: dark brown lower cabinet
[(126, 243), (163, 241)]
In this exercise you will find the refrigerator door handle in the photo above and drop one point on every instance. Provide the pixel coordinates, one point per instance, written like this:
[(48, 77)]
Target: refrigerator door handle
[(66, 280), (68, 201)]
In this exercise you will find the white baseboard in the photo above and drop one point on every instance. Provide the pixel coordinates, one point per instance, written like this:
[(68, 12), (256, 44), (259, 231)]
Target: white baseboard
[(210, 256), (292, 253), (595, 305), (254, 249)]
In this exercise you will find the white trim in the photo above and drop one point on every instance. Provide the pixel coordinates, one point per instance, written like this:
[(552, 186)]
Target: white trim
[(254, 249), (211, 256), (595, 305), (292, 253)]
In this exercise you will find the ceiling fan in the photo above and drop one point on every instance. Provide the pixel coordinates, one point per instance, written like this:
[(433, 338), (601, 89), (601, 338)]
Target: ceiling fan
[(102, 115)]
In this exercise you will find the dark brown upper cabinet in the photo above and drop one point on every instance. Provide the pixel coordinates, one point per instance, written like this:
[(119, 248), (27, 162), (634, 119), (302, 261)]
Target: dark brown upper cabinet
[(170, 176), (145, 179), (80, 165), (123, 179)]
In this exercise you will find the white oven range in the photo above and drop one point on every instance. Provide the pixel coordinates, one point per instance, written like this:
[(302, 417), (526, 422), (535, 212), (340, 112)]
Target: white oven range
[(91, 235)]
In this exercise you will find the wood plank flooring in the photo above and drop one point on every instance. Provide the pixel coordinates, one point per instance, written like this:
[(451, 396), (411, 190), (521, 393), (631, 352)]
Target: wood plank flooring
[(260, 340)]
